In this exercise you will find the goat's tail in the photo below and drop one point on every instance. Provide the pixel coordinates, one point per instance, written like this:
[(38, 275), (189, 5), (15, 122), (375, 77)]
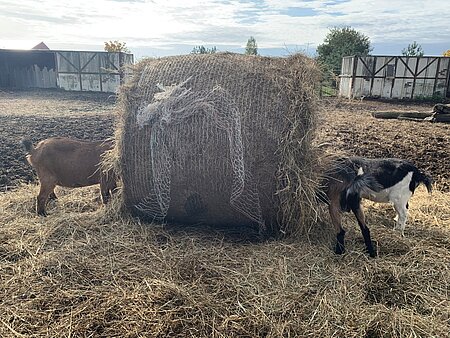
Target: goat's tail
[(364, 183), (28, 145)]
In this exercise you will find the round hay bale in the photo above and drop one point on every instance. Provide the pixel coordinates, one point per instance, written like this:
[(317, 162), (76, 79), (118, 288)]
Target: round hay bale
[(221, 139)]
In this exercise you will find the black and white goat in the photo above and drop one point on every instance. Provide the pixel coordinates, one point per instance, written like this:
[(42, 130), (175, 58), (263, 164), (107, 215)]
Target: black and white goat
[(350, 179)]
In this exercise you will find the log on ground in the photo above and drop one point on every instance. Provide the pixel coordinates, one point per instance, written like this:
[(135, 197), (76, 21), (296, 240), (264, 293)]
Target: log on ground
[(397, 114)]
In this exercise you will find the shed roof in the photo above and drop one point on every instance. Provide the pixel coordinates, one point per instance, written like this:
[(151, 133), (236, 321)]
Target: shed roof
[(41, 45)]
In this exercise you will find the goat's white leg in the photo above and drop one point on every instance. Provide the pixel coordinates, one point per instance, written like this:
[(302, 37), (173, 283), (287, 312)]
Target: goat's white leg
[(400, 197), (402, 215), (397, 216)]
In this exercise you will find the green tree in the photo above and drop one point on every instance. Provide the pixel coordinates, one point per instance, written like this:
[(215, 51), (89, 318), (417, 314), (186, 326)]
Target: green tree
[(413, 49), (446, 53), (340, 42), (116, 46), (252, 47), (203, 50)]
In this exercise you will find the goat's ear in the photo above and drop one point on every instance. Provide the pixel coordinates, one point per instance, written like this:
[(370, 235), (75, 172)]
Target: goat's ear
[(427, 181), (429, 186)]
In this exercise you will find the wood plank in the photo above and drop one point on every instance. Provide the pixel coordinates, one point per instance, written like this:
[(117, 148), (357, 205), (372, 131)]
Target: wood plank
[(397, 114), (407, 118), (445, 118)]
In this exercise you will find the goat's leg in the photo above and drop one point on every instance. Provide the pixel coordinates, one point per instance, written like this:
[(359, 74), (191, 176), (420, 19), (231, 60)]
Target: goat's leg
[(112, 186), (336, 219), (402, 215), (52, 196), (45, 190), (105, 193), (105, 188), (357, 210)]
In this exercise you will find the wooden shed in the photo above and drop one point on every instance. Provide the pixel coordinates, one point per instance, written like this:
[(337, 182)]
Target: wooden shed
[(395, 77), (68, 70)]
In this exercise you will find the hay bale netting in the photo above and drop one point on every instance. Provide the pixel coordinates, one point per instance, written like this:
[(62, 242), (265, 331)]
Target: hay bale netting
[(222, 139)]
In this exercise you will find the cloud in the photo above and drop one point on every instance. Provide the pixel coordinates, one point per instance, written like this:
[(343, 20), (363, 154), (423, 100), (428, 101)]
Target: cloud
[(274, 23)]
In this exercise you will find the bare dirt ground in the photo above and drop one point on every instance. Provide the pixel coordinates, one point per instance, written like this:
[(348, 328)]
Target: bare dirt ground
[(345, 125), (349, 126)]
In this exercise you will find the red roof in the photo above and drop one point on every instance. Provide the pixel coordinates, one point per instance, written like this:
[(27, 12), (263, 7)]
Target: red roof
[(41, 45)]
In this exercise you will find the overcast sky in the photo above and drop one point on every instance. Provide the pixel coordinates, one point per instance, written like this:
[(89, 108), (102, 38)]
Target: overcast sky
[(168, 27)]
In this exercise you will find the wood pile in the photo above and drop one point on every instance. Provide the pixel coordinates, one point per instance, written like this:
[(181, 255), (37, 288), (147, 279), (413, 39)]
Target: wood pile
[(440, 113)]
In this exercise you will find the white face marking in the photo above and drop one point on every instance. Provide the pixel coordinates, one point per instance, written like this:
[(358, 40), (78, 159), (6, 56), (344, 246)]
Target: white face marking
[(360, 171)]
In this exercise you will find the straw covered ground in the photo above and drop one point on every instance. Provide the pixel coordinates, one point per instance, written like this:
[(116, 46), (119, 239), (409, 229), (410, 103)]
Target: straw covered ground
[(88, 271), (84, 272)]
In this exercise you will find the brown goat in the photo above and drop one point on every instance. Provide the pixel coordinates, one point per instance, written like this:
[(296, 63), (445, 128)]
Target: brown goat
[(69, 163)]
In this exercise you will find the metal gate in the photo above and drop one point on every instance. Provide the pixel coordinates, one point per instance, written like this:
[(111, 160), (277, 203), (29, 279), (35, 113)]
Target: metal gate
[(69, 70), (394, 77), (91, 71)]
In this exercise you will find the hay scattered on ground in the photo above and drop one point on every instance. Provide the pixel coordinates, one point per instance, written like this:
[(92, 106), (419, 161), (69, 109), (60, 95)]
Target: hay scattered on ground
[(87, 271)]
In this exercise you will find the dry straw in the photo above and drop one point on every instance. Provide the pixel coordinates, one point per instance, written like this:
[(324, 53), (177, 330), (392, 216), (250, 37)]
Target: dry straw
[(221, 139), (85, 271)]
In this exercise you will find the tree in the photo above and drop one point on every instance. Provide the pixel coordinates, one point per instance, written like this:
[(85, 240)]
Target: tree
[(252, 47), (116, 46), (203, 50), (446, 53), (340, 42), (413, 49)]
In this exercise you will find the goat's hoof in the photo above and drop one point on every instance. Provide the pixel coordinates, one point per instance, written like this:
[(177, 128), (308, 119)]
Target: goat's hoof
[(339, 250), (372, 253), (402, 232), (42, 213)]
